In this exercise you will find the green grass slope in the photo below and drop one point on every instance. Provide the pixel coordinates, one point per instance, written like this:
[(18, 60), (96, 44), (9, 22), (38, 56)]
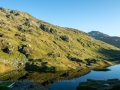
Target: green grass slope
[(26, 42)]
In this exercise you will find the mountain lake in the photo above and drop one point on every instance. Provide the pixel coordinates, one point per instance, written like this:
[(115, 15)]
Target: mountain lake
[(67, 80), (71, 84)]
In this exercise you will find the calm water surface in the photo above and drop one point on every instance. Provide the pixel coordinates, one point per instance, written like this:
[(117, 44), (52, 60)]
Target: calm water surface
[(114, 72)]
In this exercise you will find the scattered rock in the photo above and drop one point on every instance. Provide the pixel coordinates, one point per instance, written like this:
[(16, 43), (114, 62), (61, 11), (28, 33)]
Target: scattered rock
[(8, 50), (65, 38), (1, 35), (17, 34), (48, 29), (25, 49), (4, 10)]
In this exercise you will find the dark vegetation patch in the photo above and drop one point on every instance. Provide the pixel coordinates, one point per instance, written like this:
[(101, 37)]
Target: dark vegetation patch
[(65, 38), (1, 35), (48, 29)]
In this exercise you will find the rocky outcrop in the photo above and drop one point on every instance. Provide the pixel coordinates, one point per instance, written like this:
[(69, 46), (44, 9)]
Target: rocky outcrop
[(48, 29), (65, 38), (25, 49)]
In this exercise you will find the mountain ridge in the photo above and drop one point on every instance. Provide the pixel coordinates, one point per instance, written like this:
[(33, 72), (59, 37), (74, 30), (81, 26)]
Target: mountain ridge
[(113, 40), (32, 44)]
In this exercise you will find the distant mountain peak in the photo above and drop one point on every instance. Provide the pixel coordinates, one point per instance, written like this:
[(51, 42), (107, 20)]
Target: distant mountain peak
[(97, 33), (106, 38)]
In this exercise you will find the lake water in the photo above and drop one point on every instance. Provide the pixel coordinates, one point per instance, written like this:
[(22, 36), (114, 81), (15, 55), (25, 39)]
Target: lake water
[(65, 80), (71, 84)]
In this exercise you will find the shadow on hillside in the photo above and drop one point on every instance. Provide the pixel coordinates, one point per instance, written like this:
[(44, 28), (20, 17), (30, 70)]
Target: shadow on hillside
[(42, 68), (111, 54), (74, 59)]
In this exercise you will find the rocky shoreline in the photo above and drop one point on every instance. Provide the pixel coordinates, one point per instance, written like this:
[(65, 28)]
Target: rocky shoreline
[(21, 85), (109, 84)]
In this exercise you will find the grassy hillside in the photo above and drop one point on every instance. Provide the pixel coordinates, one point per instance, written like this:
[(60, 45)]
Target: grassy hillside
[(26, 42)]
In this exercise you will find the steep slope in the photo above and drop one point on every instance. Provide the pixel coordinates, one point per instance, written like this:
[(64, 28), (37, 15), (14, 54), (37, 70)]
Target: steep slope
[(106, 38), (26, 42)]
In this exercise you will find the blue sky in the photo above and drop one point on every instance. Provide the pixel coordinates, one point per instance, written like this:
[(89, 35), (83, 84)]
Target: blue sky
[(85, 15)]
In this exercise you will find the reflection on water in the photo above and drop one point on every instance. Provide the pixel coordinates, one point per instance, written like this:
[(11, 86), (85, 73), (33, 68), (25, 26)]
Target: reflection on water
[(103, 69), (43, 78), (65, 80), (14, 75), (113, 72)]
